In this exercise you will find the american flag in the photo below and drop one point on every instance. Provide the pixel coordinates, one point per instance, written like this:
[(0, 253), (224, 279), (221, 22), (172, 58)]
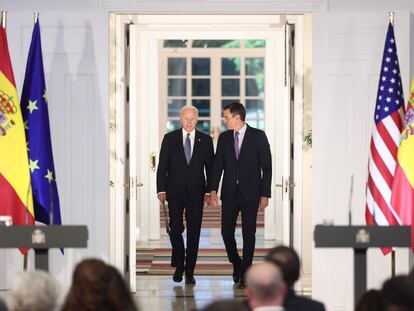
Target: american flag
[(385, 139)]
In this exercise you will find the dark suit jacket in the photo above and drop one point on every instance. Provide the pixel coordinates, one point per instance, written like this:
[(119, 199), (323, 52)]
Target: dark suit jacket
[(298, 303), (252, 172), (175, 176)]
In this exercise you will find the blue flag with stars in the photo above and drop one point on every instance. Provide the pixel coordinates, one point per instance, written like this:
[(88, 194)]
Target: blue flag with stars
[(39, 146)]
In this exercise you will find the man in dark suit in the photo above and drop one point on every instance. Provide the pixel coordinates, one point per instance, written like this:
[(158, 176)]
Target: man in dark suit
[(288, 261), (243, 153), (183, 179)]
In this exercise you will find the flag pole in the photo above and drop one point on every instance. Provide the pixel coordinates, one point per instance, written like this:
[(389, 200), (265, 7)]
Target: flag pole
[(391, 19)]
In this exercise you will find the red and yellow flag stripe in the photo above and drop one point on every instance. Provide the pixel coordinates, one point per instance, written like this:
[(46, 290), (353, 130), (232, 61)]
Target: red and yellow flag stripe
[(15, 188), (403, 185)]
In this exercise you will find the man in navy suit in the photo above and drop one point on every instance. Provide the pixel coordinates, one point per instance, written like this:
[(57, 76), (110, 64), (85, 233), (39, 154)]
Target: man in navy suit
[(183, 179), (288, 261), (243, 154)]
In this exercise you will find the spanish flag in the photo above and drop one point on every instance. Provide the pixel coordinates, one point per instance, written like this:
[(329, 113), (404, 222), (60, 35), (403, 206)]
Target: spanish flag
[(402, 198), (15, 189)]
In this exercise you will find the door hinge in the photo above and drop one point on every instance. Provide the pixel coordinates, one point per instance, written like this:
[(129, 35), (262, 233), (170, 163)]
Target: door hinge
[(127, 37), (127, 204), (127, 94), (127, 150), (126, 263)]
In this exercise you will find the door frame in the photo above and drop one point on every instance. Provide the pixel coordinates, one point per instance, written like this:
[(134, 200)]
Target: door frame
[(118, 93)]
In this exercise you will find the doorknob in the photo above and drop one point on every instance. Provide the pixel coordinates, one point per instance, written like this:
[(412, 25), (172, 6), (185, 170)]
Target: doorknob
[(140, 184)]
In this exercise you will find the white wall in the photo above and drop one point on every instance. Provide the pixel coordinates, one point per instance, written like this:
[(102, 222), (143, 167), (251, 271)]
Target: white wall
[(75, 47), (347, 55), (75, 56)]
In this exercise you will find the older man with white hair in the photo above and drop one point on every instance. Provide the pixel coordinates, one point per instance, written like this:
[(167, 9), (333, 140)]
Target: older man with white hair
[(34, 291), (265, 288), (183, 179)]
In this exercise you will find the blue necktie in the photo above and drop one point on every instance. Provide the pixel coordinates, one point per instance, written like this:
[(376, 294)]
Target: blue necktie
[(187, 148)]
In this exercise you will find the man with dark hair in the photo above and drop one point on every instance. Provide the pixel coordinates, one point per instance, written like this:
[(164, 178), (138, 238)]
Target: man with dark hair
[(288, 260), (398, 293), (243, 153)]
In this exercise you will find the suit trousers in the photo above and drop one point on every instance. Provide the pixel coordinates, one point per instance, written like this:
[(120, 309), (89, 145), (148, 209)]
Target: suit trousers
[(230, 211), (182, 258)]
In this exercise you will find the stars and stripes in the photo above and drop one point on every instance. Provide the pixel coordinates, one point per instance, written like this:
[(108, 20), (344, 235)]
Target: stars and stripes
[(385, 139)]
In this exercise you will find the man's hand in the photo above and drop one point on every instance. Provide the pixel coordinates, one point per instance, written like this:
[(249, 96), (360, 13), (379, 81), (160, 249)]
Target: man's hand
[(162, 196), (213, 199), (264, 202), (207, 199)]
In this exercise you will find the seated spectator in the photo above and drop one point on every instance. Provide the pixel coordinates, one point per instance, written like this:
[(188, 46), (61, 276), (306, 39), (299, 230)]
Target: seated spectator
[(225, 305), (288, 260), (372, 300), (3, 306), (398, 293), (97, 286), (265, 287), (34, 291)]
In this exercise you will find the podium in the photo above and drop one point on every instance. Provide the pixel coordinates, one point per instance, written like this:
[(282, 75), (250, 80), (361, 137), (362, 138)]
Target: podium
[(360, 238), (42, 238)]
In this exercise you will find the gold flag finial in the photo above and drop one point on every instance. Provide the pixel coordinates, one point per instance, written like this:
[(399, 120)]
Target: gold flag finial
[(36, 17), (3, 19), (391, 16)]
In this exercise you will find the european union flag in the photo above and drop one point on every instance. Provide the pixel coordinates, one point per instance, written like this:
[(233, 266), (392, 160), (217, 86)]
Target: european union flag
[(36, 120)]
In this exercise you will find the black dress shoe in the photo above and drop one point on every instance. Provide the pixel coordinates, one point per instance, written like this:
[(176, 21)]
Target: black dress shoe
[(178, 275), (190, 280), (236, 273), (241, 284)]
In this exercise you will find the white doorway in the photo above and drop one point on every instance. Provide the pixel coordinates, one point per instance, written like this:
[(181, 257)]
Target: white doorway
[(146, 117)]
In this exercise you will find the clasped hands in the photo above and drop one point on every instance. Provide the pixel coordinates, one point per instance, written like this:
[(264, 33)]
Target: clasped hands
[(213, 201)]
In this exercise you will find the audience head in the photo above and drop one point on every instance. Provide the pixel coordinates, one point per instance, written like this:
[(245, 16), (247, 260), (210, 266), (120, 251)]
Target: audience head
[(288, 260), (3, 306), (97, 286), (398, 293), (225, 305), (372, 300), (265, 286), (34, 291)]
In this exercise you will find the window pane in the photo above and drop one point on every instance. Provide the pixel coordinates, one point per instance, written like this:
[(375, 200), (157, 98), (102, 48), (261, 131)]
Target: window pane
[(175, 43), (259, 124), (177, 66), (201, 66), (203, 126), (255, 43), (230, 66), (230, 87), (225, 102), (254, 109), (173, 125), (255, 87), (201, 87), (216, 43), (174, 107), (203, 106), (254, 66), (177, 87)]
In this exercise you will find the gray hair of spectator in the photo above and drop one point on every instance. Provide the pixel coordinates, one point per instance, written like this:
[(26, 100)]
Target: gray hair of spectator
[(188, 108), (34, 291), (264, 280)]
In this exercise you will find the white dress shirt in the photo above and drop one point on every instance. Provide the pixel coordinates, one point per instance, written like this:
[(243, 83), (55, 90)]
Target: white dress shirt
[(242, 132), (270, 308), (192, 138)]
